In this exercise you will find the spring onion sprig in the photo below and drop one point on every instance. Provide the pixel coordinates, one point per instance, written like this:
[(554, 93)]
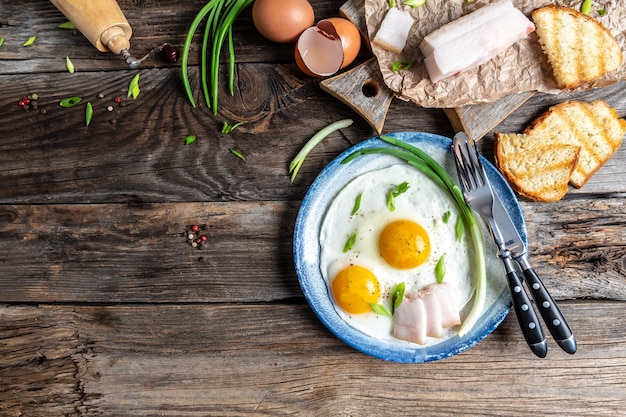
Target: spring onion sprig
[(297, 162), (433, 170), (220, 16)]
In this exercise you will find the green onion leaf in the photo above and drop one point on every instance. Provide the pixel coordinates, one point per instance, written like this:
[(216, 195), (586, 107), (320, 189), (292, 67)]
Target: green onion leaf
[(395, 192), (1, 41), (70, 102), (380, 310), (601, 12), (357, 203), (88, 113), (459, 229), (227, 128), (402, 65), (585, 7), (30, 41), (67, 25), (349, 243), (237, 154), (69, 65), (297, 162), (133, 87), (446, 216), (397, 295), (189, 139), (440, 269)]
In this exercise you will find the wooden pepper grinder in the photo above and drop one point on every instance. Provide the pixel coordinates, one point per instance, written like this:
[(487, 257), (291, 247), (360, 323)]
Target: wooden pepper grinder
[(102, 23)]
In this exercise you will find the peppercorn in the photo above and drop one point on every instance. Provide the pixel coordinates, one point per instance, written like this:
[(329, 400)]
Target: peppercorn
[(195, 228), (169, 53), (117, 100)]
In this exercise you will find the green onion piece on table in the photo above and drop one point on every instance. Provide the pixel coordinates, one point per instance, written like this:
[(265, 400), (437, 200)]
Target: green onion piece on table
[(237, 154), (133, 87), (30, 41), (69, 65), (70, 102), (297, 162), (88, 113), (189, 139)]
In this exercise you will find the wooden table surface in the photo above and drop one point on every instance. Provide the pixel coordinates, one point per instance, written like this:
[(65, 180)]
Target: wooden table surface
[(105, 309)]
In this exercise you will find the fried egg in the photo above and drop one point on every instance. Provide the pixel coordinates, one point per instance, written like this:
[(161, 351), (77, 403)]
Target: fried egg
[(372, 239)]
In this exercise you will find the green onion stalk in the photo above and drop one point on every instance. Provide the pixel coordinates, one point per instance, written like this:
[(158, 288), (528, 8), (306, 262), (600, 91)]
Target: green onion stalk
[(220, 16), (420, 160)]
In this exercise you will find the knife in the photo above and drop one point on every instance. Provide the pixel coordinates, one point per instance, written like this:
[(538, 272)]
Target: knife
[(552, 316)]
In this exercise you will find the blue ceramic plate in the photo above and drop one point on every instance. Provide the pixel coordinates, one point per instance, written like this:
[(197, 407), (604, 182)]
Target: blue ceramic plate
[(306, 252)]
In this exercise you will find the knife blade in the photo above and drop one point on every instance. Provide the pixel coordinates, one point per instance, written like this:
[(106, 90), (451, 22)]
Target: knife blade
[(552, 316)]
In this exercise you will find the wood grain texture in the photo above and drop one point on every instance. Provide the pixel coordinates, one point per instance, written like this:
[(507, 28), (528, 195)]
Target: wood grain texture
[(106, 310), (132, 252), (227, 360)]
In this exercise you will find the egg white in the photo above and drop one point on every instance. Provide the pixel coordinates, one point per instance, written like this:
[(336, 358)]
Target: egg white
[(424, 203)]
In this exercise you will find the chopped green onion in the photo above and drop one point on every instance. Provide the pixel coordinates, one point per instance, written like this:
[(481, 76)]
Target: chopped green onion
[(602, 12), (392, 3), (402, 65), (88, 113), (585, 7), (440, 269), (446, 216), (133, 87), (227, 128), (380, 310), (237, 154), (397, 295), (1, 41), (357, 203), (395, 192), (67, 25), (70, 102), (349, 243), (30, 41), (189, 139), (414, 3), (69, 65), (420, 160), (459, 229), (296, 163)]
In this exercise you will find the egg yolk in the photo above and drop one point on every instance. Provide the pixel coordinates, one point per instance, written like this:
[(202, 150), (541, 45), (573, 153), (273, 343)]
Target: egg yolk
[(404, 244), (354, 288)]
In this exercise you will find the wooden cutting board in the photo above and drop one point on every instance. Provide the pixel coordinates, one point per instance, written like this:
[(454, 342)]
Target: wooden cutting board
[(364, 90)]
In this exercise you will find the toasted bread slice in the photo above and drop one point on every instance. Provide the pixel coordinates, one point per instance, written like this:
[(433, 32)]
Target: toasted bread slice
[(595, 127), (534, 167), (578, 48)]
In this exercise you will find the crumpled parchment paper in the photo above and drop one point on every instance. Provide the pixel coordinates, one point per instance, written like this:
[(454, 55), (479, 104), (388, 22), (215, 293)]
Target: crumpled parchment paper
[(522, 67)]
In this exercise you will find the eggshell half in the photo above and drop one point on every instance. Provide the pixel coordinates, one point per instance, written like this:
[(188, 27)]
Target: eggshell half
[(319, 50)]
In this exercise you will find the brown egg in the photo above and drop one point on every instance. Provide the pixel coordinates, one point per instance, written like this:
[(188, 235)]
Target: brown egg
[(282, 21), (324, 49)]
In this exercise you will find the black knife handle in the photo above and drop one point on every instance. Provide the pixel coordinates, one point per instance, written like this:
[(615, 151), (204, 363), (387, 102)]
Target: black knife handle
[(558, 327), (526, 316)]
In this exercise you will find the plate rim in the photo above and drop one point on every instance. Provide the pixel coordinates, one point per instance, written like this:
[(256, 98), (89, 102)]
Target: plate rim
[(393, 350)]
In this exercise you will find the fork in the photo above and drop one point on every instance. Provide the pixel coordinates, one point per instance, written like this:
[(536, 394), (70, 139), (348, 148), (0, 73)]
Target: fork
[(479, 197)]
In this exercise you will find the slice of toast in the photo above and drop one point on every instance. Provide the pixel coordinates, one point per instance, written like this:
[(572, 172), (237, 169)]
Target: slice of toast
[(534, 167), (578, 48), (594, 126)]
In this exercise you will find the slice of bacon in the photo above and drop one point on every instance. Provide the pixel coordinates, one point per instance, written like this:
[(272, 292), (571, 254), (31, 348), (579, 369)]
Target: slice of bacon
[(426, 313)]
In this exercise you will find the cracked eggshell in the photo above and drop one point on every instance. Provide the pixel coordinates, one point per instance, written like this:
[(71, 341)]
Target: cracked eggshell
[(324, 49), (319, 50)]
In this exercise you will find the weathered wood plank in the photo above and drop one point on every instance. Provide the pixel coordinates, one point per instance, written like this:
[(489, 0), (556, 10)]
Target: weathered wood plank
[(234, 360), (139, 253), (152, 24)]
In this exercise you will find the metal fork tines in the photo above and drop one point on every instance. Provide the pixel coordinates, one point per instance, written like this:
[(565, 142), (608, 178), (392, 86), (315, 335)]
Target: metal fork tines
[(479, 196)]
